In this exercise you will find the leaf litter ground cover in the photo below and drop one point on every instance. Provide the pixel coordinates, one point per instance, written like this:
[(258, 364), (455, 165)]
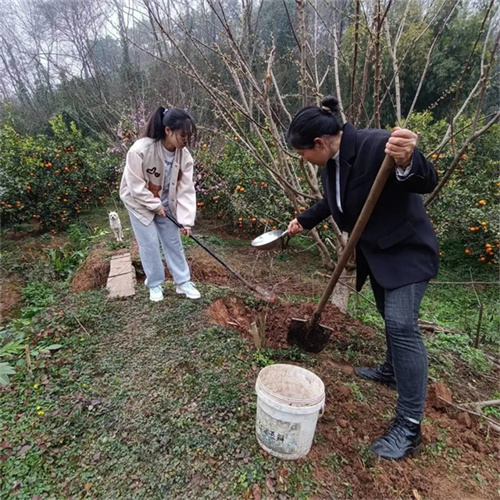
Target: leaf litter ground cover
[(153, 400)]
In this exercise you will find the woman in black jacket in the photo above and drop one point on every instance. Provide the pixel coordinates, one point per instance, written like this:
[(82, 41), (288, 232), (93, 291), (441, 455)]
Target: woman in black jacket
[(398, 249)]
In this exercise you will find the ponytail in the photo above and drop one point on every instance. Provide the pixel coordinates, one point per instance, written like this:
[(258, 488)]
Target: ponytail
[(173, 118), (312, 122)]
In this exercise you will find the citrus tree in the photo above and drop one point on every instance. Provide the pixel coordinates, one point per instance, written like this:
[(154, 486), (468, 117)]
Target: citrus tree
[(50, 180)]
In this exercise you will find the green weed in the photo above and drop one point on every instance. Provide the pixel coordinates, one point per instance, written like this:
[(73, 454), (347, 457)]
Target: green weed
[(261, 359), (39, 294), (116, 245), (301, 483), (215, 240), (493, 411), (335, 462), (356, 391), (65, 261), (461, 346), (366, 455)]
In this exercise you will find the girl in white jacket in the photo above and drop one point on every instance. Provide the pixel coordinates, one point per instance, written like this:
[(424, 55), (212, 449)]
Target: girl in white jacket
[(158, 179)]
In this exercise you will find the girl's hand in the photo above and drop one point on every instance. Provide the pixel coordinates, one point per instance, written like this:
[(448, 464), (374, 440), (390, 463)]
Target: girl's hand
[(186, 231), (401, 145), (295, 227), (161, 211)]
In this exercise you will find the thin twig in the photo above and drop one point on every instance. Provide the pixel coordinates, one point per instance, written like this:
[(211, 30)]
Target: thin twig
[(482, 404), (493, 424), (83, 328)]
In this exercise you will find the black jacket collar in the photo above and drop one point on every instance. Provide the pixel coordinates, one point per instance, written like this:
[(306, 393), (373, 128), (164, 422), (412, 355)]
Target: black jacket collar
[(347, 155), (348, 143)]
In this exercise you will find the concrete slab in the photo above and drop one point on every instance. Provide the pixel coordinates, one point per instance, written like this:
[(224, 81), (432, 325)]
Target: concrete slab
[(121, 286), (121, 278), (120, 266)]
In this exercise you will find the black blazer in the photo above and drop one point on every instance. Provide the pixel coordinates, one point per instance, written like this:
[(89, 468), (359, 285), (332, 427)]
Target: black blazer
[(398, 245)]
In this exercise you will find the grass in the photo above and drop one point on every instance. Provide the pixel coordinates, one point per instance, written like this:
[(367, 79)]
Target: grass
[(143, 401), (147, 400), (450, 306)]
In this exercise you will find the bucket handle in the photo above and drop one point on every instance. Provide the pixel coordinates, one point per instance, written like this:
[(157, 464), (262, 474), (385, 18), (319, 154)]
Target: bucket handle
[(321, 411)]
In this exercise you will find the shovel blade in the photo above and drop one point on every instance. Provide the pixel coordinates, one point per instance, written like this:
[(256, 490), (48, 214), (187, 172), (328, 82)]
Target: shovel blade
[(309, 337)]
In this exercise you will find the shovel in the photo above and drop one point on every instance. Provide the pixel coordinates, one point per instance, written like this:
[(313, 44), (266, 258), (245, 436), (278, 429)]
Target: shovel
[(260, 292), (310, 335)]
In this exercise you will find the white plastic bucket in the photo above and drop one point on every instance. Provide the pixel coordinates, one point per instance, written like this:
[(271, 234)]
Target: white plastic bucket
[(289, 401)]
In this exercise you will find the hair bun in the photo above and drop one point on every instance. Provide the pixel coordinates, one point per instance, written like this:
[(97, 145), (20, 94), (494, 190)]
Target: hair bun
[(330, 103)]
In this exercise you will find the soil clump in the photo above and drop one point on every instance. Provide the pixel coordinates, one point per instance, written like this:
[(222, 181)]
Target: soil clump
[(93, 273)]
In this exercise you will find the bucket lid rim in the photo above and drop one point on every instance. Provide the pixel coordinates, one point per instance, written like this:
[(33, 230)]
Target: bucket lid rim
[(312, 401)]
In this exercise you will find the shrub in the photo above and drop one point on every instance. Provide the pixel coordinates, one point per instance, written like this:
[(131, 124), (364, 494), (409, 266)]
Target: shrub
[(51, 180), (465, 214), (233, 186)]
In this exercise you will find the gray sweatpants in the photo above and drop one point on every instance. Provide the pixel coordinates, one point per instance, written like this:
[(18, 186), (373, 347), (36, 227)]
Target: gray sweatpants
[(163, 231)]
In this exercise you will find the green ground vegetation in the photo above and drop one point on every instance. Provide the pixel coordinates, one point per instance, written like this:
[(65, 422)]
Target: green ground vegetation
[(132, 399)]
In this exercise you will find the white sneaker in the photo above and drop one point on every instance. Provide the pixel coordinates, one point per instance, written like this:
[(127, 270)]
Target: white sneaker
[(156, 293), (189, 290)]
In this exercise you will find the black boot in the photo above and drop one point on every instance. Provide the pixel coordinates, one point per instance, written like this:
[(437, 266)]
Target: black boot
[(402, 439), (382, 374)]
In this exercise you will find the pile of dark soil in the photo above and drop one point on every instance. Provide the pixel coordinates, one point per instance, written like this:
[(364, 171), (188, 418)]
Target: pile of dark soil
[(233, 313)]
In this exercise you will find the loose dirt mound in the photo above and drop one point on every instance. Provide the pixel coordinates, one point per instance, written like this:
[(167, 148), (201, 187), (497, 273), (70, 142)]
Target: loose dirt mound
[(233, 313), (349, 426), (205, 269), (93, 273), (273, 271), (10, 296)]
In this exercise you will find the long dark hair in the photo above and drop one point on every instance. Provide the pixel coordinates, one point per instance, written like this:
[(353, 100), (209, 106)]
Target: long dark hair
[(173, 118), (312, 122)]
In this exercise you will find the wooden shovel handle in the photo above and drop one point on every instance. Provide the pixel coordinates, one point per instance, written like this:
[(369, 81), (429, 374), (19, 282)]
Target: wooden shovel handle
[(383, 174)]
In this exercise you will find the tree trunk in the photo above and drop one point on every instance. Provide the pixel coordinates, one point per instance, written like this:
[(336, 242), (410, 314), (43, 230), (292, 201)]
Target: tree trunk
[(341, 292)]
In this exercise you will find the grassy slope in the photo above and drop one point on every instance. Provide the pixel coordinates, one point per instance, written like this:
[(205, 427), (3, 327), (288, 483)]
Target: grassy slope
[(143, 401), (152, 404)]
